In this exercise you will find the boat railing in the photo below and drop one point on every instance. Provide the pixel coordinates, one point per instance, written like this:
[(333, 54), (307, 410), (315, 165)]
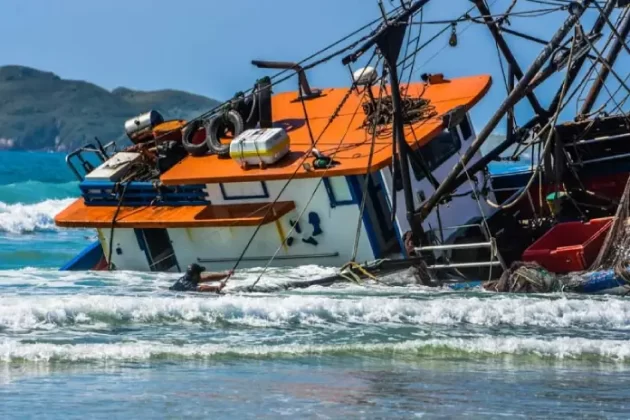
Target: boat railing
[(140, 194), (598, 149), (490, 243), (103, 153)]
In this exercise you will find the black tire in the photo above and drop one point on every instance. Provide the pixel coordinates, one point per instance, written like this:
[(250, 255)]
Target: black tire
[(187, 136), (217, 126)]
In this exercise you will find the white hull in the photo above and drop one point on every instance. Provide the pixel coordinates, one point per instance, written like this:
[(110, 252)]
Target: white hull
[(328, 211)]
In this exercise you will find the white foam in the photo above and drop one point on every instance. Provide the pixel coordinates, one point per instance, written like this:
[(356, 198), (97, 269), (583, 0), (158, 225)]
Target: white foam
[(557, 348), (22, 218), (24, 313)]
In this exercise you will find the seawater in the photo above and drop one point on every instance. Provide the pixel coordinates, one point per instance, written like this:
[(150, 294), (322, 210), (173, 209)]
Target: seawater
[(120, 345)]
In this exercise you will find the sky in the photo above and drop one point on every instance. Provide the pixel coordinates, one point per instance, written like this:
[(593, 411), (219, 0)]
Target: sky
[(206, 46)]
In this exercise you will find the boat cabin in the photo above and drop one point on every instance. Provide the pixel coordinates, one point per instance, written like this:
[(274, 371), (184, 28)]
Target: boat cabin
[(321, 171)]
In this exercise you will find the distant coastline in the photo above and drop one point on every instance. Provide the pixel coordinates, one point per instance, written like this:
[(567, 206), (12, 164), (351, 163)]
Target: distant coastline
[(39, 111)]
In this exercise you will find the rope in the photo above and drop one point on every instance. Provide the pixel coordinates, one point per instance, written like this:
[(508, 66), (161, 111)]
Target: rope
[(321, 179), (551, 123), (602, 59), (367, 176), (348, 268), (302, 62), (380, 116), (306, 155)]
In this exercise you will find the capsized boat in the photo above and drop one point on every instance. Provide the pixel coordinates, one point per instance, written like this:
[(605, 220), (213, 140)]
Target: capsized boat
[(206, 207), (384, 170)]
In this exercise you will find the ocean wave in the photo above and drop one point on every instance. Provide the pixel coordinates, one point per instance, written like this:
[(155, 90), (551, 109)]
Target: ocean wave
[(28, 313), (485, 346), (26, 218), (32, 192)]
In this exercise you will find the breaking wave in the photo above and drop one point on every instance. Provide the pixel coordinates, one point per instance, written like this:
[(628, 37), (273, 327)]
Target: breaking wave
[(28, 313), (555, 348), (28, 218)]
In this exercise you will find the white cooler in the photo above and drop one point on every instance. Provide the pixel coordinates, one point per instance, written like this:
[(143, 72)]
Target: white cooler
[(260, 146), (115, 168)]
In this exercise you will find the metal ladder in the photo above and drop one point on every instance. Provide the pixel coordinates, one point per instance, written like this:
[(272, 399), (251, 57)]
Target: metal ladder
[(495, 259)]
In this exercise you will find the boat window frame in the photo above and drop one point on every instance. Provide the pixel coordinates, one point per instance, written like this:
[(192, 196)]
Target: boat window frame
[(433, 164), (465, 123), (263, 195)]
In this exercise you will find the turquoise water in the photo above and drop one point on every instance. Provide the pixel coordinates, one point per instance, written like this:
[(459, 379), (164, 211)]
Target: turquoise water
[(120, 345)]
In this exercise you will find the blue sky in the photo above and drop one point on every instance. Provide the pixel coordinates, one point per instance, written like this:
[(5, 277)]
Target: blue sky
[(205, 46)]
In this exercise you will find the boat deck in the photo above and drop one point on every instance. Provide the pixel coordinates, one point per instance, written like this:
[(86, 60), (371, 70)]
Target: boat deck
[(78, 214), (345, 140)]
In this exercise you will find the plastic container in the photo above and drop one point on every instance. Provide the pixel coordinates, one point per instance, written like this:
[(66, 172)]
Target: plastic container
[(260, 147), (571, 246), (115, 168)]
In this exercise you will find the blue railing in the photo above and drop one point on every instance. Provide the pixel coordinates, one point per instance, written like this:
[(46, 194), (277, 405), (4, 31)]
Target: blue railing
[(137, 194)]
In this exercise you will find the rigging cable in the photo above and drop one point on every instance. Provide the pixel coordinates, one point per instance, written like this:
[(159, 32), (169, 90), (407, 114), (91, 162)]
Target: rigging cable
[(621, 39), (605, 64), (550, 126), (306, 155), (321, 179), (364, 192), (300, 63)]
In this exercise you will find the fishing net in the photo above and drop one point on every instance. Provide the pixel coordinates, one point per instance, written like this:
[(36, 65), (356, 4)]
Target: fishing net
[(616, 247), (525, 277)]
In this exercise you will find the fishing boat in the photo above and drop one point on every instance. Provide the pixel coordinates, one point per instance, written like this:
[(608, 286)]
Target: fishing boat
[(386, 171)]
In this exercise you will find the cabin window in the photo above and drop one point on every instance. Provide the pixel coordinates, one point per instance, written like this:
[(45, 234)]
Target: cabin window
[(437, 151), (244, 190), (466, 130), (338, 191)]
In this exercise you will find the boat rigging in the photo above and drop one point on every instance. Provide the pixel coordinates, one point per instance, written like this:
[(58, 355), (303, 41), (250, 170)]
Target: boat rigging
[(274, 178)]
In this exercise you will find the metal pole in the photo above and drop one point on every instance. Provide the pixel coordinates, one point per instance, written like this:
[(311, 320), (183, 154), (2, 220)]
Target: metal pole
[(509, 130), (603, 75), (401, 19), (577, 66), (505, 49), (448, 185), (399, 136), (502, 147)]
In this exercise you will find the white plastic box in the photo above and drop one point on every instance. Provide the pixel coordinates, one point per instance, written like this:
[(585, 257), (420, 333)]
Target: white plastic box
[(260, 146), (113, 169)]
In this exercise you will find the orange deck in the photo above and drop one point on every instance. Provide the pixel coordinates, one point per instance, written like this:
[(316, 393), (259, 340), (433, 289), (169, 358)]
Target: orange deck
[(233, 215), (354, 150)]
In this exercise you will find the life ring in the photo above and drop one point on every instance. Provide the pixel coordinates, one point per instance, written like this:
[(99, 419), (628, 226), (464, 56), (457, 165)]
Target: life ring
[(188, 137), (216, 128)]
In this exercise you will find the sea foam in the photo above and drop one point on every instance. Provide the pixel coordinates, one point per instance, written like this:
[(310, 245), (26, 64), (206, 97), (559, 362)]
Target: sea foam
[(28, 218), (28, 313), (488, 346)]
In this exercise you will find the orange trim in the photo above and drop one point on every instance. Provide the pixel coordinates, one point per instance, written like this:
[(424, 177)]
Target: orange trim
[(231, 215), (355, 149)]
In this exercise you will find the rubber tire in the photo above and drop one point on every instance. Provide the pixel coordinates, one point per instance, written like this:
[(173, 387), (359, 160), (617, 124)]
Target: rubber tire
[(188, 133), (217, 126)]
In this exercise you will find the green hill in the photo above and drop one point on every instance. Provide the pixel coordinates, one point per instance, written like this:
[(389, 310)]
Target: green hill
[(41, 111)]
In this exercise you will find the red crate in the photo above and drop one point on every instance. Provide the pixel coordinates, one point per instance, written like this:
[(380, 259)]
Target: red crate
[(570, 246)]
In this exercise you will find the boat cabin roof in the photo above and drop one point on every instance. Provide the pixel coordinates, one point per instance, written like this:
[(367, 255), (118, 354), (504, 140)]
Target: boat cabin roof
[(346, 140)]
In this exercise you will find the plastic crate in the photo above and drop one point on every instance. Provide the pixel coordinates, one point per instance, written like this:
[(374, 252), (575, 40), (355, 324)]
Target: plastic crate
[(571, 246)]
